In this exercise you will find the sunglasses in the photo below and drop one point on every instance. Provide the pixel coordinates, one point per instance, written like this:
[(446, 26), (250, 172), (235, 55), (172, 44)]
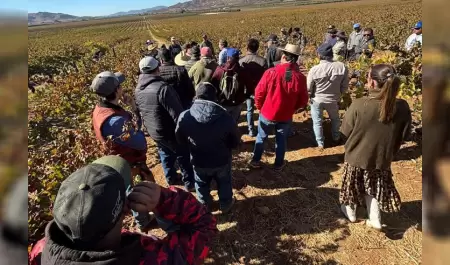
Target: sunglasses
[(417, 28), (366, 35)]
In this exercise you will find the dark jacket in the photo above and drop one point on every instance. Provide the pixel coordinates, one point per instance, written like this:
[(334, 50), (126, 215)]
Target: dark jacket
[(255, 66), (159, 106), (273, 54), (210, 132), (230, 68), (367, 47), (194, 238), (175, 49), (372, 144), (178, 78)]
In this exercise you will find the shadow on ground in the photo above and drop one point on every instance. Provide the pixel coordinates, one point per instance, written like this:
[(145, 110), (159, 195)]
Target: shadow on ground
[(408, 153), (309, 172), (410, 215), (280, 218)]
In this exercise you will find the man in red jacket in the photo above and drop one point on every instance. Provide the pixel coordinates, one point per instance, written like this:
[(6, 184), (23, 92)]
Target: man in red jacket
[(281, 91), (89, 213)]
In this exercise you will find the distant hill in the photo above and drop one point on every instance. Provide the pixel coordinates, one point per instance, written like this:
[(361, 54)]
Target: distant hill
[(50, 18), (140, 11), (207, 4)]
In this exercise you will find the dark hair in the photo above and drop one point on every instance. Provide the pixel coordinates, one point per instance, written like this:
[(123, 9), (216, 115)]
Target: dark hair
[(165, 55), (369, 30), (253, 45), (224, 43), (193, 43), (389, 83), (296, 29), (290, 57)]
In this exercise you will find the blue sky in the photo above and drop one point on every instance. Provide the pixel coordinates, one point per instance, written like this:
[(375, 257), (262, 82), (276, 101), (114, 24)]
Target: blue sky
[(82, 7)]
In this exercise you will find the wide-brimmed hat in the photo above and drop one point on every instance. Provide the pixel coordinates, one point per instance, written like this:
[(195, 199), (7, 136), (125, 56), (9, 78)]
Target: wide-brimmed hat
[(291, 48), (152, 46)]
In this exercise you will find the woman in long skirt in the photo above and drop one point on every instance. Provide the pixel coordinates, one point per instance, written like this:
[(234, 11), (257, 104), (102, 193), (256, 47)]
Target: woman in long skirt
[(375, 127)]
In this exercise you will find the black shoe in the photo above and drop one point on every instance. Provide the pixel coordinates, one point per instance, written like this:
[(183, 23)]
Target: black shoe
[(255, 164), (227, 209), (280, 167)]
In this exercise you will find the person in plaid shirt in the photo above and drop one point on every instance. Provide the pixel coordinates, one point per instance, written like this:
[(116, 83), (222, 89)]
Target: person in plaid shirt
[(89, 212)]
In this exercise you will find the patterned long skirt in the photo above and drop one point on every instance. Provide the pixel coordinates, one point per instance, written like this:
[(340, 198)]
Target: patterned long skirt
[(358, 182)]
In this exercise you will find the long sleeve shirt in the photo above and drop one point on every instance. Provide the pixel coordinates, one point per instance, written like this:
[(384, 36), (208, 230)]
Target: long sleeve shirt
[(327, 81), (281, 91), (223, 57), (355, 40), (412, 40)]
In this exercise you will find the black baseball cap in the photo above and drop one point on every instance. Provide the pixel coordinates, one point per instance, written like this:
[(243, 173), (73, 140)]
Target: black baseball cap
[(90, 201), (106, 83)]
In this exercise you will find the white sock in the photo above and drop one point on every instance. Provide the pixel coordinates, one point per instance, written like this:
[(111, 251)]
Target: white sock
[(374, 212), (349, 212)]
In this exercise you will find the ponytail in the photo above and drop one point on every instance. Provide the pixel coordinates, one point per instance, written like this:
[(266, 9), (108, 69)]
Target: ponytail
[(389, 83)]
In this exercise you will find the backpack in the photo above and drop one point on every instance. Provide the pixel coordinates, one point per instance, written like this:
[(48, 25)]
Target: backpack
[(229, 86)]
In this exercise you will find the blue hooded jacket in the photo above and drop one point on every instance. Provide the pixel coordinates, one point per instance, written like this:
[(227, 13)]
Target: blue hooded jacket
[(210, 132)]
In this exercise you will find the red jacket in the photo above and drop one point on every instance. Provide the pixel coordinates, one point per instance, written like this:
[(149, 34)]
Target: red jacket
[(189, 245), (280, 92)]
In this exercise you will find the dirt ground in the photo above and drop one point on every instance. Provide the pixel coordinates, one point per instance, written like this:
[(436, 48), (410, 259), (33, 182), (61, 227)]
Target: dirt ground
[(293, 217)]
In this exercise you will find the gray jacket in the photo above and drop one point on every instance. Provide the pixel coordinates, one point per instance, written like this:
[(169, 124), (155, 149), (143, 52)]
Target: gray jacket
[(355, 40), (327, 81)]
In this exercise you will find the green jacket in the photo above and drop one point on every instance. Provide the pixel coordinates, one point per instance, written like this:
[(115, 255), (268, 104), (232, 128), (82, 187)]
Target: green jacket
[(202, 71)]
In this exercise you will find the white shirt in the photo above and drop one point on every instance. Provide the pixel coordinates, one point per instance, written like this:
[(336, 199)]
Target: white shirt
[(412, 40)]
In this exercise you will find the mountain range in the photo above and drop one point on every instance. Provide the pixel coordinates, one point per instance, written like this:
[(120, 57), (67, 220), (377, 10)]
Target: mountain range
[(50, 18)]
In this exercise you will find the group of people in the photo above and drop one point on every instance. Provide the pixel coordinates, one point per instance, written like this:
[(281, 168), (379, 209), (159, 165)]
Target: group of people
[(189, 102)]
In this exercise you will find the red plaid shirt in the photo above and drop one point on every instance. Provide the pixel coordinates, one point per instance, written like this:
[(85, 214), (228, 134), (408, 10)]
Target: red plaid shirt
[(190, 245)]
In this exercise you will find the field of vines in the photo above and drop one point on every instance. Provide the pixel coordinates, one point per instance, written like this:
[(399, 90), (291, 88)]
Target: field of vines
[(296, 219)]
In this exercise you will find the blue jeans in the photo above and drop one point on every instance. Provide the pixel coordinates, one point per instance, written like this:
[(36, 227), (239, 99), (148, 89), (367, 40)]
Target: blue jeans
[(317, 117), (170, 153), (234, 111), (250, 110), (222, 176), (265, 128)]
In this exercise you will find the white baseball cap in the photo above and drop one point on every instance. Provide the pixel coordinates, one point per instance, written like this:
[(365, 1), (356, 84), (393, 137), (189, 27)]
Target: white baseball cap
[(148, 63)]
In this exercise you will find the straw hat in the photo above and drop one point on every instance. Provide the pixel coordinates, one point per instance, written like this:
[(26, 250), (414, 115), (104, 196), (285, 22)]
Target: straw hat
[(291, 48), (152, 46)]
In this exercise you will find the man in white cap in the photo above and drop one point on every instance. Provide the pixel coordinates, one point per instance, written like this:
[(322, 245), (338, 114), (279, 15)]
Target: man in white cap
[(159, 107)]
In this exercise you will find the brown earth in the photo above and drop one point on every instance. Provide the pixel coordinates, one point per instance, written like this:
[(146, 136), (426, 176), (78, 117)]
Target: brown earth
[(293, 217)]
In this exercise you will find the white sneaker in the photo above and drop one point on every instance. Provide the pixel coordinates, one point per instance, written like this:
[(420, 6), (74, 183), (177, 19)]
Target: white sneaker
[(349, 212), (373, 210)]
